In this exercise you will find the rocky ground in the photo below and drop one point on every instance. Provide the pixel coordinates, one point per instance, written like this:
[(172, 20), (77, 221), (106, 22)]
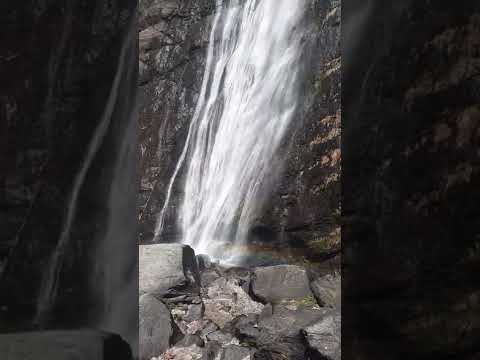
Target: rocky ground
[(194, 309)]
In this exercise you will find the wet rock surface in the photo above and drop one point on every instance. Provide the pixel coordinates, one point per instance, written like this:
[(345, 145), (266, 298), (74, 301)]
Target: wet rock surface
[(227, 322)]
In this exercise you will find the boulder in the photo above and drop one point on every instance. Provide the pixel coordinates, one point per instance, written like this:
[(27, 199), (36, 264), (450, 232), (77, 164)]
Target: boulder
[(242, 274), (208, 277), (64, 345), (324, 337), (168, 270), (278, 336), (194, 312), (328, 290), (274, 284), (155, 327), (203, 262), (226, 300)]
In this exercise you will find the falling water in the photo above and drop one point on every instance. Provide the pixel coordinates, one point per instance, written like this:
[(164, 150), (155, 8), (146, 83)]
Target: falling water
[(247, 102)]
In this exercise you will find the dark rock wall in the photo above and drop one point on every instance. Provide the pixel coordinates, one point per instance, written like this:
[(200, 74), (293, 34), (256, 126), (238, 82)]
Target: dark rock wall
[(411, 169), (61, 63), (173, 36), (305, 204), (304, 209)]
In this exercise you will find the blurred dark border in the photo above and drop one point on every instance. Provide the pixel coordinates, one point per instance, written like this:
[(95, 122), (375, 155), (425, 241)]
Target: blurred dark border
[(68, 249), (410, 179)]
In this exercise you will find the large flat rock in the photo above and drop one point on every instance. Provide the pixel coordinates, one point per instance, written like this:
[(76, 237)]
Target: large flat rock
[(274, 284), (167, 270), (63, 345)]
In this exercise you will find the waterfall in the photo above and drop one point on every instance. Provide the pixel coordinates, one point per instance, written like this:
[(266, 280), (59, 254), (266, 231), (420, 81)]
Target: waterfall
[(245, 108)]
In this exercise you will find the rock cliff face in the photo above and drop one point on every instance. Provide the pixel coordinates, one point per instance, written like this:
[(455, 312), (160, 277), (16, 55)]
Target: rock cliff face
[(172, 39), (305, 203)]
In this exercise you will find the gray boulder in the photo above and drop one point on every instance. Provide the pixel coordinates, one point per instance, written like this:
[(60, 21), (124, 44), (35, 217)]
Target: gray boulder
[(226, 300), (275, 284), (208, 277), (194, 312), (325, 337), (203, 262), (328, 290), (155, 327), (168, 270), (277, 333)]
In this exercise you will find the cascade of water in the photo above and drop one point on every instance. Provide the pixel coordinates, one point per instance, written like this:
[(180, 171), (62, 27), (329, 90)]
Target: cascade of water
[(247, 103)]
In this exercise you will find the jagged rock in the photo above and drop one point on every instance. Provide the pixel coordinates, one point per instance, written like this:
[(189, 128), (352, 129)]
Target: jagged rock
[(208, 328), (328, 290), (203, 262), (235, 352), (241, 274), (189, 340), (246, 327), (194, 312), (186, 298), (213, 351), (155, 327), (220, 337), (168, 270), (282, 282), (208, 277), (325, 337), (64, 345), (192, 352), (201, 327), (227, 300)]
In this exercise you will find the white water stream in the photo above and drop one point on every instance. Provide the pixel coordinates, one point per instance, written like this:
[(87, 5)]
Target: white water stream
[(247, 102)]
